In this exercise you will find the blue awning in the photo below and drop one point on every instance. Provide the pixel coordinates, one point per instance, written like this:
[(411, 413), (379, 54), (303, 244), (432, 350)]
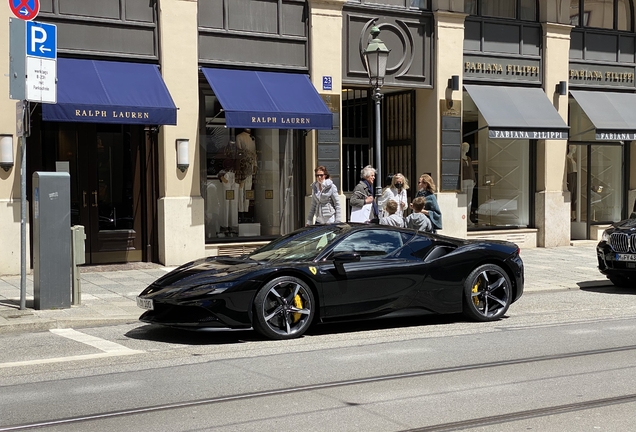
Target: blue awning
[(110, 92), (271, 100)]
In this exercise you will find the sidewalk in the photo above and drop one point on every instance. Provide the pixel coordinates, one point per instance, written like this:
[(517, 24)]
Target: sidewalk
[(107, 298), (108, 292)]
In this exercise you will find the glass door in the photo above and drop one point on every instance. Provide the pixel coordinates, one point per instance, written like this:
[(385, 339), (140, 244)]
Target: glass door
[(105, 188), (595, 181)]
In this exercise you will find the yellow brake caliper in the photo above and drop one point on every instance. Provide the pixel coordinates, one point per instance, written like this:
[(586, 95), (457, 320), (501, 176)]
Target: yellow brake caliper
[(298, 302), (475, 291)]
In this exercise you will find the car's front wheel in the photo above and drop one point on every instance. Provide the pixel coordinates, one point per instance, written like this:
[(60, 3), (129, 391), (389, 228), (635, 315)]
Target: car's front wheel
[(283, 308), (487, 293)]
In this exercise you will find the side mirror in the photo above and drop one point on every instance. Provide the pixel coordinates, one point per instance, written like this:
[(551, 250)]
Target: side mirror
[(340, 258)]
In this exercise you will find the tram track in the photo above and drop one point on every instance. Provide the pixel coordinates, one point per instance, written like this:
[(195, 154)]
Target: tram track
[(472, 423), (526, 414)]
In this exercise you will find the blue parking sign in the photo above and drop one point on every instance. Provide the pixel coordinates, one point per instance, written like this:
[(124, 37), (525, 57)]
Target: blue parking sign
[(41, 40)]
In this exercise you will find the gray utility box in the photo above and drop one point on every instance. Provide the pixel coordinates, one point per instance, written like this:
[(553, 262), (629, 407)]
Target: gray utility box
[(51, 240)]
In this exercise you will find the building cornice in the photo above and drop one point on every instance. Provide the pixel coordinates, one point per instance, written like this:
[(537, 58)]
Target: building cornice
[(332, 3), (450, 18), (557, 30)]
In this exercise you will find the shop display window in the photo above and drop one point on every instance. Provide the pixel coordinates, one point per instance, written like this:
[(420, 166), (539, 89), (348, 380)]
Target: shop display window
[(500, 189), (248, 183), (595, 182)]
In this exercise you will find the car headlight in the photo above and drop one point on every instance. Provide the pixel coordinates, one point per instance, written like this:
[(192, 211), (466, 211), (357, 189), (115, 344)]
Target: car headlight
[(605, 237), (201, 290)]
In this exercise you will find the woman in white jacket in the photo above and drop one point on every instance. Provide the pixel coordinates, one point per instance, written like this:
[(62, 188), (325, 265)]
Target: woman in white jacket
[(396, 192), (325, 204)]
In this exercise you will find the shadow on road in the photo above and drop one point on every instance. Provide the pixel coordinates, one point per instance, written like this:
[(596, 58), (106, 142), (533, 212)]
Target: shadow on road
[(15, 304), (605, 287), (203, 337), (192, 337), (383, 324)]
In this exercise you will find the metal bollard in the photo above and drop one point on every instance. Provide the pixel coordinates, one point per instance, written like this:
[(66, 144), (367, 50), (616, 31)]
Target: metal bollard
[(78, 237)]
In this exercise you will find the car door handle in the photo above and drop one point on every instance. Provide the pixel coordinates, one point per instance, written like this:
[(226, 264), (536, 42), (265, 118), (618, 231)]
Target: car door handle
[(94, 198)]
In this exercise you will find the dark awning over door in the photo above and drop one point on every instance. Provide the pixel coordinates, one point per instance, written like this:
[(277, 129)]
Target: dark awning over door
[(110, 92), (272, 100), (517, 112), (613, 115)]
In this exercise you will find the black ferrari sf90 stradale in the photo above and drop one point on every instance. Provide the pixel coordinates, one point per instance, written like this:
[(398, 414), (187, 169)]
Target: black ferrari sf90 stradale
[(338, 272)]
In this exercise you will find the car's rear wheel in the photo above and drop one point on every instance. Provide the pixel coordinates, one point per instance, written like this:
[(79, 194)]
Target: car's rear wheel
[(283, 308), (620, 281), (487, 293)]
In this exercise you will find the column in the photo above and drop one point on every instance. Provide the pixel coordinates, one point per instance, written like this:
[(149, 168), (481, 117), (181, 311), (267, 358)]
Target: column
[(449, 43), (180, 206), (325, 63), (552, 199)]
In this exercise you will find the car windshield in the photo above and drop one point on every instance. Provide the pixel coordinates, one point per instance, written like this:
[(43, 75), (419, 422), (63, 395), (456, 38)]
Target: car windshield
[(303, 245)]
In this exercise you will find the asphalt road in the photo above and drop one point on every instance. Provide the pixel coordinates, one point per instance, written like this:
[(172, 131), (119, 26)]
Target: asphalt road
[(562, 360)]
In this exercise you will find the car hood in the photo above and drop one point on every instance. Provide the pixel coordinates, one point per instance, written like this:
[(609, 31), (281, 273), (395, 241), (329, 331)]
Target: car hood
[(625, 225), (206, 271)]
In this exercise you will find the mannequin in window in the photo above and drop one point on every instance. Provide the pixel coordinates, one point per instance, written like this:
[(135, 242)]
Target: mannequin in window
[(245, 167), (468, 179), (213, 206), (229, 208), (572, 177)]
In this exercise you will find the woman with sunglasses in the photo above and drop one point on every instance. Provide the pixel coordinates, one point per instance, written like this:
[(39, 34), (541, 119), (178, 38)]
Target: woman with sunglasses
[(325, 204), (427, 190)]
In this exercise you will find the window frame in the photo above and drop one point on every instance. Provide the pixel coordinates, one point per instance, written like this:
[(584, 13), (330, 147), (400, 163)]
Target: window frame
[(517, 12), (365, 254), (581, 17)]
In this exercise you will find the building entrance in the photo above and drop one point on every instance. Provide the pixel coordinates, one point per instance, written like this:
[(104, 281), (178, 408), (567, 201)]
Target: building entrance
[(105, 165)]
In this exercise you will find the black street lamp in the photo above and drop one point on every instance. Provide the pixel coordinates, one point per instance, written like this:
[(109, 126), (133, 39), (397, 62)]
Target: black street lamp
[(375, 58)]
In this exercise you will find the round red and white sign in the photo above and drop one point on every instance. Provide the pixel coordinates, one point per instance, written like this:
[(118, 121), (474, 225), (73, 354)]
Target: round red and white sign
[(25, 9)]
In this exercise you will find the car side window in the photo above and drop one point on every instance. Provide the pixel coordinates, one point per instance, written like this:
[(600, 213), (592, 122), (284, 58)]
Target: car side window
[(371, 244)]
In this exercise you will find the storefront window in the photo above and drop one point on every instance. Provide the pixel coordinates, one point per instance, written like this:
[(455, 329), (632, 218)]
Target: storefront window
[(596, 183), (249, 182), (502, 192)]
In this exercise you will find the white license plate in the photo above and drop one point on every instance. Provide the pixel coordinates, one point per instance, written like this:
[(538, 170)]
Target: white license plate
[(145, 303), (626, 257)]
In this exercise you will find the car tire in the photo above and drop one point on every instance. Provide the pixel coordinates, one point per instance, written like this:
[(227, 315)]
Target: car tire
[(284, 308), (620, 281), (487, 293)]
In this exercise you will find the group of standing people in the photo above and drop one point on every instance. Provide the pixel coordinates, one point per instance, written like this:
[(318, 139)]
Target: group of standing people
[(389, 209)]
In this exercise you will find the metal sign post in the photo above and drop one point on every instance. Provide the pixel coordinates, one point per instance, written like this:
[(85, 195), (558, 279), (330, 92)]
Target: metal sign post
[(33, 67), (23, 207)]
